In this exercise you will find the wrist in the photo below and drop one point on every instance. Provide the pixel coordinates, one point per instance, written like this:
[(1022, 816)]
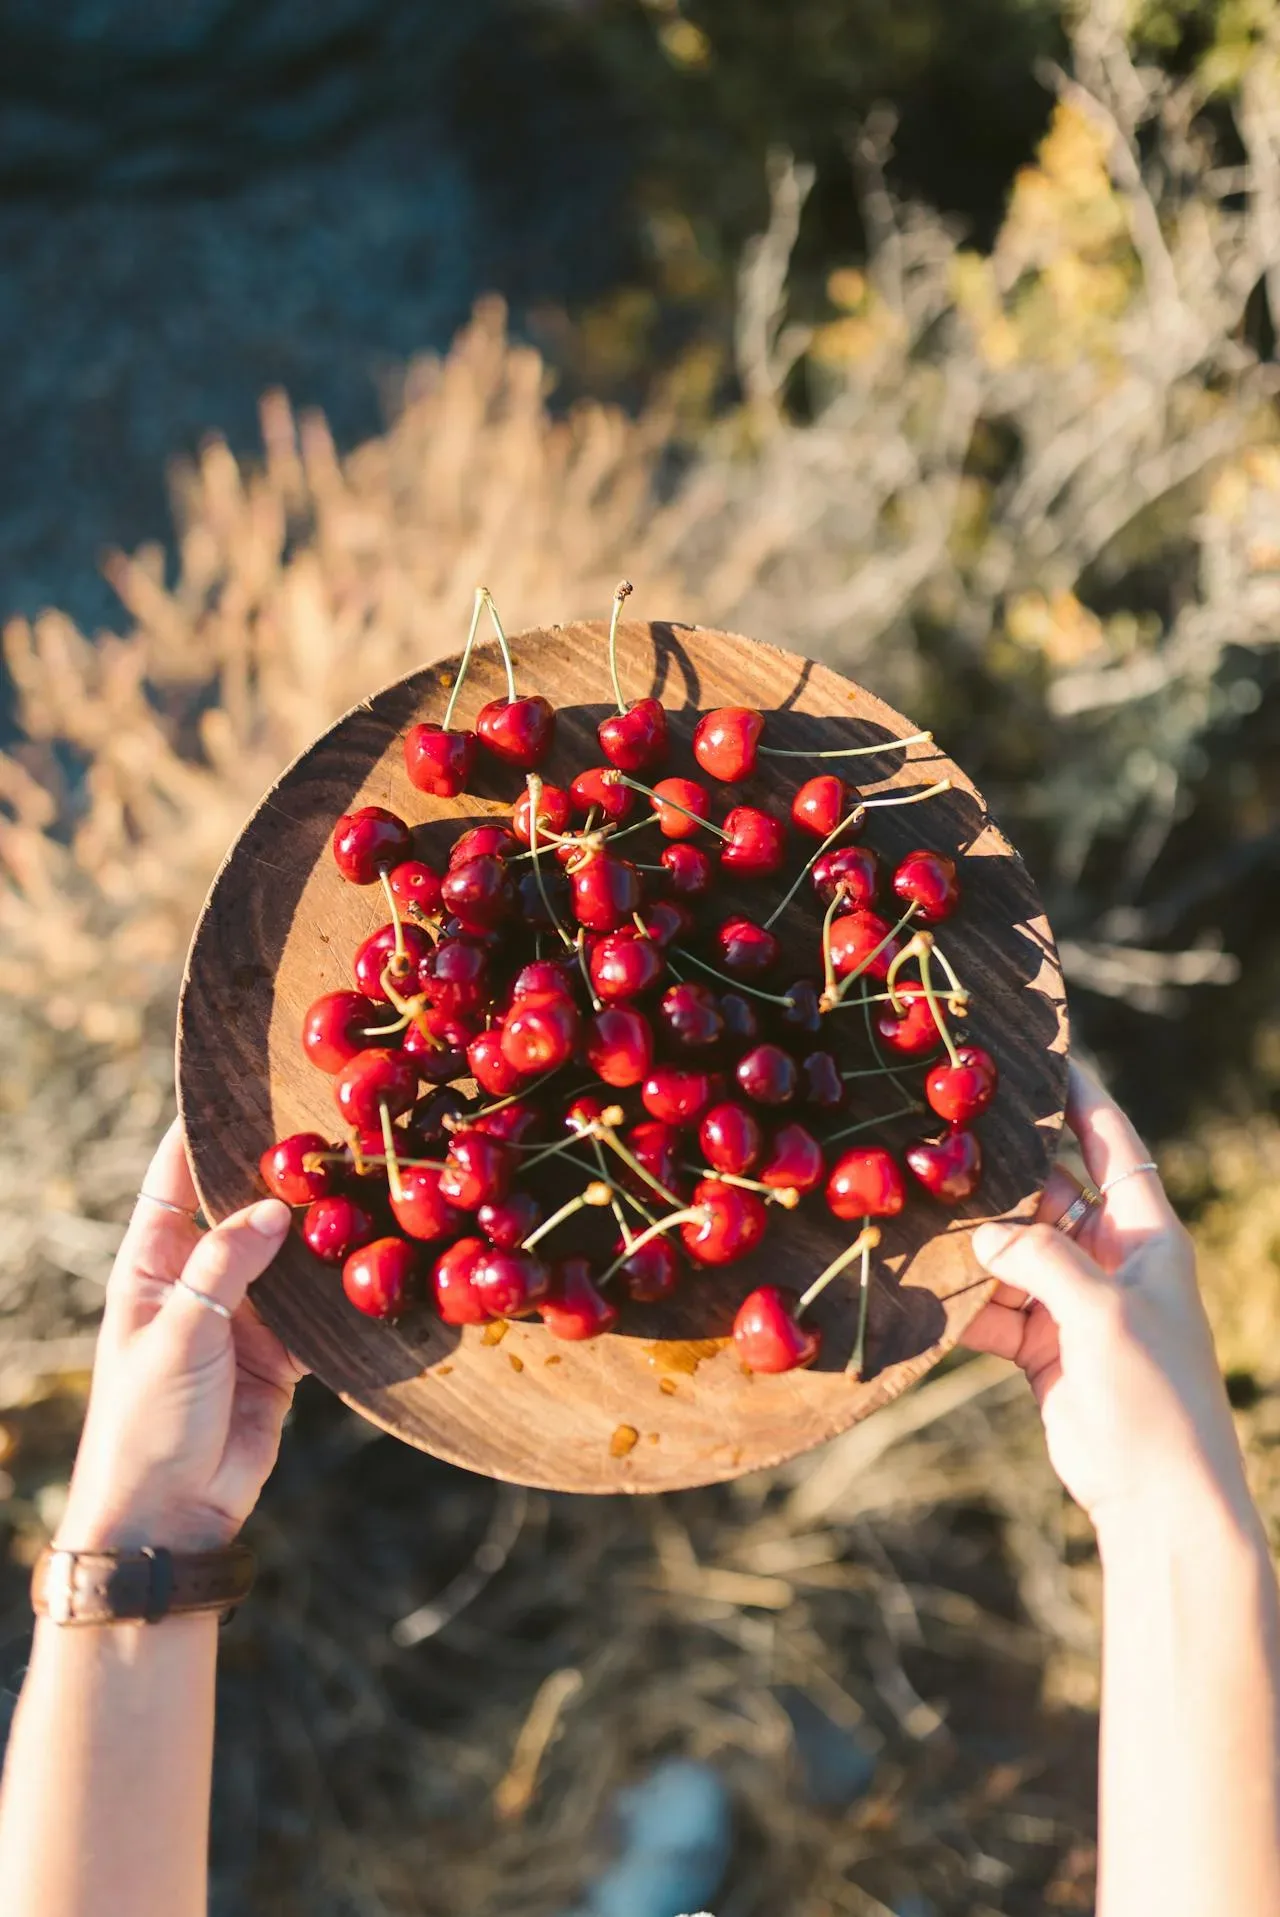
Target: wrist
[(92, 1523), (1212, 1518)]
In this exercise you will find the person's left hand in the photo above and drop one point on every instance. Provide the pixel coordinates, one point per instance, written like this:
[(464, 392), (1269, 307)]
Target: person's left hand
[(187, 1405)]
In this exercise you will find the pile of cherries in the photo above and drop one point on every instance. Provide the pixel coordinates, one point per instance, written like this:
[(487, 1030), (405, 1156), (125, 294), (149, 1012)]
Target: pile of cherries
[(565, 1000)]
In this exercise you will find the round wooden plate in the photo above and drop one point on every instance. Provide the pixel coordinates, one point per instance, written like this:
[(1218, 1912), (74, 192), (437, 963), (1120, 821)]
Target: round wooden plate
[(662, 1403)]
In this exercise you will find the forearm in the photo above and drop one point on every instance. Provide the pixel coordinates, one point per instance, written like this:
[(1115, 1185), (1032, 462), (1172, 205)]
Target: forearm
[(113, 1734), (1189, 1806)]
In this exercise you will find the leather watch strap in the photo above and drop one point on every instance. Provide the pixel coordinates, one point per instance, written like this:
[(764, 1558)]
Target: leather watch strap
[(138, 1587)]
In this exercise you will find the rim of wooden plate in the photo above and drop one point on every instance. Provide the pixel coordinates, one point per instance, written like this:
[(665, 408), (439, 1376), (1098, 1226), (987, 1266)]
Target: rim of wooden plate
[(661, 1403)]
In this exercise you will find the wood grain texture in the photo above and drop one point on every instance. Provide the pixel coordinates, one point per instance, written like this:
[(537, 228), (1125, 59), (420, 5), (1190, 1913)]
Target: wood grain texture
[(280, 927)]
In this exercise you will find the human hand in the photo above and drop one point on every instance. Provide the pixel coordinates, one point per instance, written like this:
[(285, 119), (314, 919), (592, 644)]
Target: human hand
[(1111, 1332), (187, 1405)]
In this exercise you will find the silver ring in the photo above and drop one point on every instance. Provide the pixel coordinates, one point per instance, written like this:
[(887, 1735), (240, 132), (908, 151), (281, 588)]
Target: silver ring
[(1148, 1164), (1077, 1211), (203, 1298), (167, 1204)]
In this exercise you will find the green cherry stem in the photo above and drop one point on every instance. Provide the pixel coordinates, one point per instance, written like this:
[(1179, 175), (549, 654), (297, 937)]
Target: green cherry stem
[(596, 1193), (958, 993), (869, 1124), (503, 646), (830, 985), (580, 947), (389, 1147), (629, 1159), (393, 906), (898, 1084), (850, 819), (925, 947), (611, 837), (865, 964), (620, 1216), (465, 661), (911, 798), (734, 984), (857, 1358), (848, 752), (785, 1195), (621, 591), (688, 1215), (513, 1098), (867, 1239), (870, 1071), (660, 798), (534, 783)]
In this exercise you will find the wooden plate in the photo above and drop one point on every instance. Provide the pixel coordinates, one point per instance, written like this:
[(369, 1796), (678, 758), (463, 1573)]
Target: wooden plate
[(661, 1403)]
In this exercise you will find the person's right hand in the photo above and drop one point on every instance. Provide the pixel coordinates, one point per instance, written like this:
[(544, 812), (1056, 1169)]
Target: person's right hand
[(1111, 1332)]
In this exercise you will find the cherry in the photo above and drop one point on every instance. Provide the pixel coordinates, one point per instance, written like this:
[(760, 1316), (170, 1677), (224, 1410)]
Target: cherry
[(767, 1074), (508, 1221), (508, 1283), (746, 949), (676, 1096), (950, 1168), (725, 741), (543, 906), (756, 842), (691, 1017), (572, 1307), (479, 891), (734, 1224), (665, 921), (455, 977), (730, 1138), (438, 1061), (555, 811), (606, 891), (334, 1029), (821, 803), (416, 886), (655, 1145), (370, 1142), (866, 1182), (439, 761), (623, 965), (336, 1226), (377, 953), (368, 841), (853, 937), (766, 1335), (491, 840), (636, 738), (490, 1067), (284, 1172), (855, 867), (741, 1025), (927, 880), (378, 1277), (674, 821), (371, 1080), (963, 1091), (916, 1031), (689, 869), (490, 937), (477, 1170), (520, 732), (442, 1025), (511, 1125), (618, 1045), (795, 1159), (584, 1110), (427, 1126), (539, 1032), (596, 789), (650, 1273), (543, 975), (457, 1301), (802, 1014), (420, 1210), (821, 1085)]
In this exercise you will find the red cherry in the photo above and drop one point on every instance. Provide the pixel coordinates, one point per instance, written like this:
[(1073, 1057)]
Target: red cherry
[(508, 1221), (543, 975), (583, 1111), (438, 1061), (441, 1025), (665, 921), (915, 1032), (656, 1146), (539, 1032), (484, 842), (766, 1335), (963, 1092), (334, 1029), (802, 1014), (368, 841), (369, 1139), (795, 1159), (284, 1172), (650, 1273), (572, 1307), (734, 1225), (370, 1080), (741, 1025), (595, 788), (511, 1125), (821, 1085), (756, 844), (606, 891), (477, 1170), (334, 1227), (855, 867), (767, 1074), (636, 738), (416, 887), (820, 804), (456, 976), (623, 965), (618, 1045), (456, 1299), (554, 813), (420, 1211), (927, 880), (854, 936), (676, 1096), (437, 761), (478, 891), (866, 1182), (691, 1017), (427, 1127), (541, 914), (377, 1278), (725, 741), (490, 1067), (688, 796), (744, 948), (689, 869), (377, 954), (950, 1168), (730, 1138), (508, 1283), (520, 732)]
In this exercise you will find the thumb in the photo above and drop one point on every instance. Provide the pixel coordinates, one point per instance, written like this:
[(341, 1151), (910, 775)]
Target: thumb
[(1043, 1262), (221, 1268)]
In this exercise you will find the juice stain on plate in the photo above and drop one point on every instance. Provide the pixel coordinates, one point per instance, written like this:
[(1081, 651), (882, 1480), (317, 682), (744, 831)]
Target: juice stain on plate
[(668, 1387), (554, 1359), (624, 1439), (494, 1334), (517, 1364), (683, 1354)]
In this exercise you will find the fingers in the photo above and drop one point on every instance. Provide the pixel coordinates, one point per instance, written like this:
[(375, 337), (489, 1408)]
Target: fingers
[(1044, 1263), (221, 1268), (1111, 1146), (156, 1243), (997, 1328)]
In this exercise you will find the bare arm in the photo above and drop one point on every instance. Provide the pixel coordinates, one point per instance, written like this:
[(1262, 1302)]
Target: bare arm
[(1111, 1332)]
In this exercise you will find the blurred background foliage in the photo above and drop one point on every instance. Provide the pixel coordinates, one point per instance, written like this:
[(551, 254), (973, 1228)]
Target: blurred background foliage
[(936, 342)]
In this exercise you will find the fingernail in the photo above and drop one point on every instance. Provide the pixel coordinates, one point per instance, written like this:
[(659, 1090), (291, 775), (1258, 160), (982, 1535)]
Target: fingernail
[(270, 1216), (990, 1240)]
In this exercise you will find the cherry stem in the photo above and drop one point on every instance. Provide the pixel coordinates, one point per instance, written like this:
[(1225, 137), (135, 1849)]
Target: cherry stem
[(866, 1241), (503, 647), (788, 1196), (620, 592), (512, 1098), (877, 1054), (848, 752), (958, 993), (465, 660), (598, 1192), (389, 1031), (924, 946), (912, 798), (551, 1151), (660, 799), (736, 984), (850, 819), (629, 1159), (394, 908), (580, 948), (866, 963), (854, 1367), (872, 1071), (389, 1146), (689, 1215), (533, 782), (830, 985), (407, 1007), (869, 1124), (361, 1161), (641, 825), (620, 1216)]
